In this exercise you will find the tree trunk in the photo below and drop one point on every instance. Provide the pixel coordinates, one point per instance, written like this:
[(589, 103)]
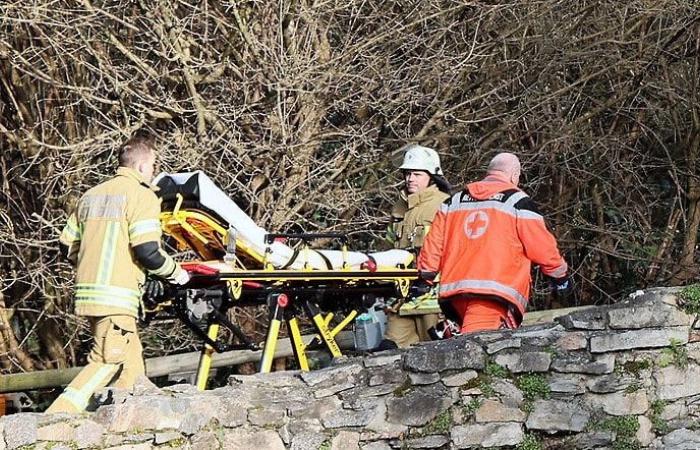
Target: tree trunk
[(687, 268), (10, 340)]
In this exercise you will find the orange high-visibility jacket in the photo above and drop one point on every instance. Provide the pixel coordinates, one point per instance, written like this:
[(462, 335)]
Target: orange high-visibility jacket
[(483, 241)]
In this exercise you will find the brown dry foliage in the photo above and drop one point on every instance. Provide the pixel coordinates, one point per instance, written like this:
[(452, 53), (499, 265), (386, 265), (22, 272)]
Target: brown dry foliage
[(295, 109)]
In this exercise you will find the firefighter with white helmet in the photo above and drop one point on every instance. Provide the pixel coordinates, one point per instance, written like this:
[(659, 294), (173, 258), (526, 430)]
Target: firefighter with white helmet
[(418, 157), (425, 189)]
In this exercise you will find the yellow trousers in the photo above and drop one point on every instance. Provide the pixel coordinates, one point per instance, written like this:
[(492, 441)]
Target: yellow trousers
[(408, 330), (116, 352)]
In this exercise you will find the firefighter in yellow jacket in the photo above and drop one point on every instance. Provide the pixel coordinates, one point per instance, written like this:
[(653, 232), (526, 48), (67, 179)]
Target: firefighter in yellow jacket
[(424, 191), (113, 239)]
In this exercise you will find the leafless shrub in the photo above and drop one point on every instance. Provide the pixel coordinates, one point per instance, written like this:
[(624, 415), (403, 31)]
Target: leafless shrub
[(295, 108)]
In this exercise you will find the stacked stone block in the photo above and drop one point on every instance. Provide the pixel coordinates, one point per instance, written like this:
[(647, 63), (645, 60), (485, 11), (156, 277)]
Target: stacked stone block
[(623, 376)]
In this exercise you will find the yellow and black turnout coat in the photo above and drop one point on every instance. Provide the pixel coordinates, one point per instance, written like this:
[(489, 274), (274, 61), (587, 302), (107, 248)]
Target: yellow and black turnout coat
[(110, 221)]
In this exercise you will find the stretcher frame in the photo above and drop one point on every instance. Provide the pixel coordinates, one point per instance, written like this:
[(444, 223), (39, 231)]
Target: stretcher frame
[(287, 293)]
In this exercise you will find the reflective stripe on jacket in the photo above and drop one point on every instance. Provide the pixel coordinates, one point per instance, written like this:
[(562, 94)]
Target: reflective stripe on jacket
[(483, 241), (109, 220), (412, 216)]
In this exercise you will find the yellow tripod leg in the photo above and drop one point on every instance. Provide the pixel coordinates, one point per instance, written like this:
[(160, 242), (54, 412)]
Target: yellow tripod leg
[(298, 345), (338, 328), (270, 346), (322, 329), (273, 331), (326, 336), (205, 358)]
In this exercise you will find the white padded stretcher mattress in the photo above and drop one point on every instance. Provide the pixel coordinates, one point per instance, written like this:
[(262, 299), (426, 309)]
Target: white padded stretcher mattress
[(214, 199)]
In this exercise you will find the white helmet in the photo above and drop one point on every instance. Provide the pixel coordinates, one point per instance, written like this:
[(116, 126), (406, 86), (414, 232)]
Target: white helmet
[(418, 157)]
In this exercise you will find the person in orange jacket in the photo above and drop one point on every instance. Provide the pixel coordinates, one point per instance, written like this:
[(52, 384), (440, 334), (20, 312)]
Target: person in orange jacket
[(483, 242)]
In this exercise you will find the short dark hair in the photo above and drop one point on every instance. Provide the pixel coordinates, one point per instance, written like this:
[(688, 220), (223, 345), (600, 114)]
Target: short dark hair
[(135, 149)]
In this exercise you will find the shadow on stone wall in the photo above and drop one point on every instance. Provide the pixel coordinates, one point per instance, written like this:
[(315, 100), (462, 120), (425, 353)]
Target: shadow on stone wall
[(625, 376)]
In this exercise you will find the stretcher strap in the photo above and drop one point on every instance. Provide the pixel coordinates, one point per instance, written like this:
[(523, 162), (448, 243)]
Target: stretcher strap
[(295, 255), (291, 260), (326, 260)]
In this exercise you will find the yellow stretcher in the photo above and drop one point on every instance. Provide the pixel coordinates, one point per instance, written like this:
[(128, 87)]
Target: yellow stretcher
[(238, 264)]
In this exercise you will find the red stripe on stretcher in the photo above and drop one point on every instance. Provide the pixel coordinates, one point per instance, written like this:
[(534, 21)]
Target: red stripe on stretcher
[(203, 269), (199, 269)]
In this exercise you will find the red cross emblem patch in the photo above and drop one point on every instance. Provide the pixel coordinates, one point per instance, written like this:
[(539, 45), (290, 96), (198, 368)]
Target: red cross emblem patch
[(476, 224)]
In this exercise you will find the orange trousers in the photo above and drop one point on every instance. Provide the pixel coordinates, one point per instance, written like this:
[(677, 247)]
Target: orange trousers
[(479, 314)]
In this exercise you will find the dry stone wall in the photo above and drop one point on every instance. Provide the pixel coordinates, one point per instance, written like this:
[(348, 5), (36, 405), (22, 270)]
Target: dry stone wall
[(620, 377)]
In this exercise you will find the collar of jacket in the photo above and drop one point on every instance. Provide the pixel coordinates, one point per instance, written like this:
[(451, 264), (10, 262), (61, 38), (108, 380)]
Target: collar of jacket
[(419, 197), (498, 178), (134, 175)]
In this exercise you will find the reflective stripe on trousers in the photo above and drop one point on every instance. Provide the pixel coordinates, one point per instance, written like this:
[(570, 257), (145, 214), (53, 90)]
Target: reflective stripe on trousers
[(494, 286), (97, 376), (116, 346)]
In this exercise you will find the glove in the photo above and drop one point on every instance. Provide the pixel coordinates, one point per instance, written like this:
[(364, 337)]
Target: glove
[(420, 287), (562, 288), (444, 329), (153, 292), (427, 276), (180, 276)]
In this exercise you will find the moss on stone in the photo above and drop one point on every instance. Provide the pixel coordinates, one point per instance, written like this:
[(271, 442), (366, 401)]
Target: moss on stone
[(175, 443), (530, 442), (633, 387), (483, 382), (689, 298), (403, 389), (625, 429), (471, 384), (533, 386), (552, 351), (658, 424), (486, 388), (495, 370), (635, 367), (471, 407), (441, 424), (676, 355)]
